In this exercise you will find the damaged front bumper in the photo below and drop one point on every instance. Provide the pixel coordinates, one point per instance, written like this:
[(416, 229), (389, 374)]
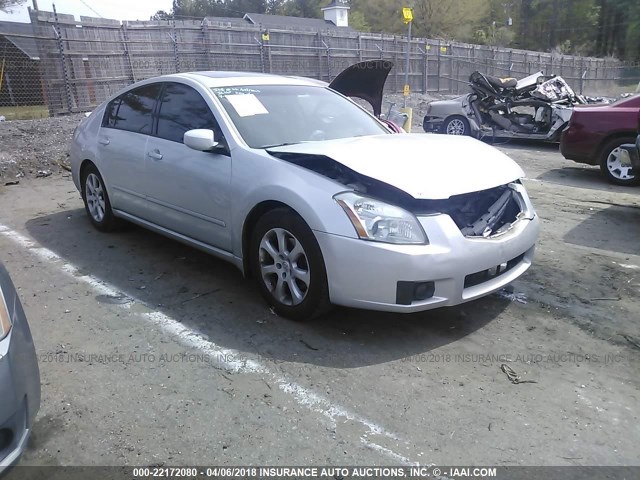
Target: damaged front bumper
[(453, 268)]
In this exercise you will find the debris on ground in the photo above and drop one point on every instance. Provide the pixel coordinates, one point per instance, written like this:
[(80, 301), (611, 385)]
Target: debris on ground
[(513, 376), (307, 345), (29, 147), (632, 341), (509, 294)]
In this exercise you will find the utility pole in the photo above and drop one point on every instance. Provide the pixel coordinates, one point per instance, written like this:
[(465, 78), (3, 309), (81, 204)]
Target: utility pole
[(407, 15), (35, 5), (407, 18)]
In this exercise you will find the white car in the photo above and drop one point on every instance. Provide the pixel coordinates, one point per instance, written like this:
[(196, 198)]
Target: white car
[(307, 192)]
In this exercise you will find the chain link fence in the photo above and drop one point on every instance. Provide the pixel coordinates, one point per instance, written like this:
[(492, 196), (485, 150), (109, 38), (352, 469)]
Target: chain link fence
[(58, 65)]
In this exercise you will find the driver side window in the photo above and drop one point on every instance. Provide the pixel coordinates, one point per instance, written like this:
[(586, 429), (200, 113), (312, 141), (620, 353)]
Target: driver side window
[(182, 108)]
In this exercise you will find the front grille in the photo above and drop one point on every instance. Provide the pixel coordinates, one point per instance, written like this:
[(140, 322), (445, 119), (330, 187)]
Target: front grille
[(482, 276)]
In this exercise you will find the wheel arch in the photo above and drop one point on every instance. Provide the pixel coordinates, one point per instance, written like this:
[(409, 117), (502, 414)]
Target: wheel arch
[(249, 224), (83, 167), (609, 138)]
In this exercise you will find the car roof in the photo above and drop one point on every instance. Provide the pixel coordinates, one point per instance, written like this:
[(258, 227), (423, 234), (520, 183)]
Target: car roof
[(212, 79)]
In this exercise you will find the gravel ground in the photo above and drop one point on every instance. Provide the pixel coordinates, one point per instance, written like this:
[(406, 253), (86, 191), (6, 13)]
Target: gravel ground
[(35, 148)]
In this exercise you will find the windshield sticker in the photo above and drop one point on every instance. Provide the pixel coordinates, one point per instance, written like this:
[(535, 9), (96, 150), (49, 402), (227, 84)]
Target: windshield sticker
[(247, 105), (224, 91)]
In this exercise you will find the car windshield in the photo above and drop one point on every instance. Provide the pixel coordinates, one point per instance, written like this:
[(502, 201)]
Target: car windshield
[(274, 115)]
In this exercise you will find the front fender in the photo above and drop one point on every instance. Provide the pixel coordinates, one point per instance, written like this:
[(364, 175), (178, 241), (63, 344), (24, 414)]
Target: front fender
[(273, 180)]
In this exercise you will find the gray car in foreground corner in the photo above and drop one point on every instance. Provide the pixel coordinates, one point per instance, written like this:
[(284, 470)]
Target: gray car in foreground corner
[(19, 375), (307, 192)]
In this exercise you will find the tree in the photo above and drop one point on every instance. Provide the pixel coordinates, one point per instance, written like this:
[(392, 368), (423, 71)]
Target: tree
[(431, 18), (381, 15), (302, 8), (274, 6), (219, 8), (358, 22), (161, 15), (6, 5), (449, 19)]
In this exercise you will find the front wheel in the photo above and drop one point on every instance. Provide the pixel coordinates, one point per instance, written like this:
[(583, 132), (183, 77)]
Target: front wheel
[(288, 265), (456, 126), (616, 166)]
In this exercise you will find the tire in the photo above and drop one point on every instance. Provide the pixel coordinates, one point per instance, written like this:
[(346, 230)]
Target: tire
[(611, 167), (96, 200), (287, 264), (456, 125)]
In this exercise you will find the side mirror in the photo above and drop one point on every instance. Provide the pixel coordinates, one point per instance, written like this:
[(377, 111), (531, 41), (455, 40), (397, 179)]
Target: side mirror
[(202, 140)]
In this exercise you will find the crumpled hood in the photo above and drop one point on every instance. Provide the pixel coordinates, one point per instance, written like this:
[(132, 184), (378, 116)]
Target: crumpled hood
[(424, 166)]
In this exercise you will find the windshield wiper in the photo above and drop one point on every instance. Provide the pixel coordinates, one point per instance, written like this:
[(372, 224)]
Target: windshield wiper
[(279, 145)]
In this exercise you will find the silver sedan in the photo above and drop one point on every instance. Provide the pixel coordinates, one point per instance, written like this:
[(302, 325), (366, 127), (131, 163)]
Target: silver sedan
[(306, 192), (19, 375)]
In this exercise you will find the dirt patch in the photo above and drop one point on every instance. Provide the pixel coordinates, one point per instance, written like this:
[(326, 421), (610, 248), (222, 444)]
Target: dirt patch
[(35, 148)]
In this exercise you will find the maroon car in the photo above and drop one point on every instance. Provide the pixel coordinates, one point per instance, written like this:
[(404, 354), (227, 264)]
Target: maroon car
[(595, 133)]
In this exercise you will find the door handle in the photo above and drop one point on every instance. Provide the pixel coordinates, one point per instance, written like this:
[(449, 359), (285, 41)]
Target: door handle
[(155, 155), (104, 141)]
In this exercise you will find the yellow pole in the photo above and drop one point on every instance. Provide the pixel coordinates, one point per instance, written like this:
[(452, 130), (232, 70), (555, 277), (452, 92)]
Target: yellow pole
[(1, 74)]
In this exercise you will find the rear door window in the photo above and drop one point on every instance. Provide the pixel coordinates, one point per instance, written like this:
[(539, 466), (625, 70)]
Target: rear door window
[(183, 109), (134, 110)]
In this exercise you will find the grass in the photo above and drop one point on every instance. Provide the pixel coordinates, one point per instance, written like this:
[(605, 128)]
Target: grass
[(24, 113)]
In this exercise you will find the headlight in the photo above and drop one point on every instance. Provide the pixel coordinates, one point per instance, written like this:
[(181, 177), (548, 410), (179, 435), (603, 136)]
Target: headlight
[(379, 221), (5, 319)]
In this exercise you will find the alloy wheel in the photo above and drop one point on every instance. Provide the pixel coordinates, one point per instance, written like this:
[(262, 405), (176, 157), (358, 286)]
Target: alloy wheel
[(94, 191), (619, 167), (284, 266), (455, 127)]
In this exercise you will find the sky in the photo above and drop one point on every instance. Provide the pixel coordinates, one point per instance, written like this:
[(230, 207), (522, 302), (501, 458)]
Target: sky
[(117, 9)]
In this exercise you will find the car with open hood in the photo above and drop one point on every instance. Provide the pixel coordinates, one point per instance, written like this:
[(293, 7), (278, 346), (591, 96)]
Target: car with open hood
[(19, 376), (306, 192)]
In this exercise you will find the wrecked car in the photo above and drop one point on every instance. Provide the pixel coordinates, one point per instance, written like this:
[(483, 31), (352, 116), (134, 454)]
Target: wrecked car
[(535, 107), (306, 192), (19, 376)]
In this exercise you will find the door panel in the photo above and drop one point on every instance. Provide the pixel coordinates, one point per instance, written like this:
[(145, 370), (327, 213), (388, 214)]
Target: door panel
[(122, 140), (122, 167), (187, 191)]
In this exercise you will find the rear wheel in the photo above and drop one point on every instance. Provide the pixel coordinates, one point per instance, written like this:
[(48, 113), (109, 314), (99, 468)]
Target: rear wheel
[(288, 266), (615, 164), (456, 126), (96, 200)]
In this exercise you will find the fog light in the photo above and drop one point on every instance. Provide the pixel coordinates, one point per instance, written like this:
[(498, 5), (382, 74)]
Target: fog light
[(409, 292), (423, 290)]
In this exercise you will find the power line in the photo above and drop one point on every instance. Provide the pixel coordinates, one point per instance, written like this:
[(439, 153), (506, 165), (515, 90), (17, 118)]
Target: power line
[(90, 8)]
